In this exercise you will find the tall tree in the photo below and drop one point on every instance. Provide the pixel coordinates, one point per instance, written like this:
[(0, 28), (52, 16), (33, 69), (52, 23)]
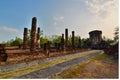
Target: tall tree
[(16, 42)]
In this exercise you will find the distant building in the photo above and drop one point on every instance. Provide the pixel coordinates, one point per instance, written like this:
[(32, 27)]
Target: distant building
[(96, 40), (95, 37)]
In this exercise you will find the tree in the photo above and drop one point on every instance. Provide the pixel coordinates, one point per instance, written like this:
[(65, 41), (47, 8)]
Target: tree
[(54, 39), (16, 42), (86, 42), (43, 40), (76, 41), (107, 40)]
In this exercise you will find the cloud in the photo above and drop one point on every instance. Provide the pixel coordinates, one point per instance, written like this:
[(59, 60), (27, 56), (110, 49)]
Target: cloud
[(102, 9), (9, 29), (58, 18), (61, 18), (55, 23)]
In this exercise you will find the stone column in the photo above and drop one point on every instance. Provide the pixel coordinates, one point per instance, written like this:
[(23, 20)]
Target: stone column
[(25, 38), (3, 54), (38, 37), (79, 42), (62, 42), (73, 41), (33, 35), (66, 38)]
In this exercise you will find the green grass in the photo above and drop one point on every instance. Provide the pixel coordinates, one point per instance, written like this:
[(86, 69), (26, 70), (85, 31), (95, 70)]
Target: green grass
[(104, 57)]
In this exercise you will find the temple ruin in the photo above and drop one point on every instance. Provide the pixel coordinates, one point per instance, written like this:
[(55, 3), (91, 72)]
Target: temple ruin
[(38, 37), (66, 38), (96, 39), (73, 37), (33, 35), (79, 42), (25, 38), (3, 54), (62, 42)]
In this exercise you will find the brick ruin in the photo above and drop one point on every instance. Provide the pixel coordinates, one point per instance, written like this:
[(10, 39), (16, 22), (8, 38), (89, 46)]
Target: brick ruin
[(3, 54), (79, 42), (35, 39), (73, 39), (47, 48), (96, 40), (33, 35), (62, 42), (96, 37), (25, 38), (66, 38), (38, 37)]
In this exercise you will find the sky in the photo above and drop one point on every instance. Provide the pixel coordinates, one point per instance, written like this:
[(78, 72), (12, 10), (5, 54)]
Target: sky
[(53, 16)]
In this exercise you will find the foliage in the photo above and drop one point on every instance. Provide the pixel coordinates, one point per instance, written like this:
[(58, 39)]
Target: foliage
[(16, 42), (55, 39), (76, 41), (108, 40), (86, 42), (43, 40)]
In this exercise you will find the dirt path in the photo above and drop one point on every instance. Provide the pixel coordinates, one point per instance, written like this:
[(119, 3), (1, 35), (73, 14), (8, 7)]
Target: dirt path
[(49, 71)]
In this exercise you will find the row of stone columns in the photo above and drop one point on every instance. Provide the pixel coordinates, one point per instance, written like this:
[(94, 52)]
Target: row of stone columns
[(66, 40), (35, 38)]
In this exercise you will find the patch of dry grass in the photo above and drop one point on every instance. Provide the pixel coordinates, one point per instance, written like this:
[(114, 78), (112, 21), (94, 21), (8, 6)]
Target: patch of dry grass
[(71, 73), (101, 66)]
